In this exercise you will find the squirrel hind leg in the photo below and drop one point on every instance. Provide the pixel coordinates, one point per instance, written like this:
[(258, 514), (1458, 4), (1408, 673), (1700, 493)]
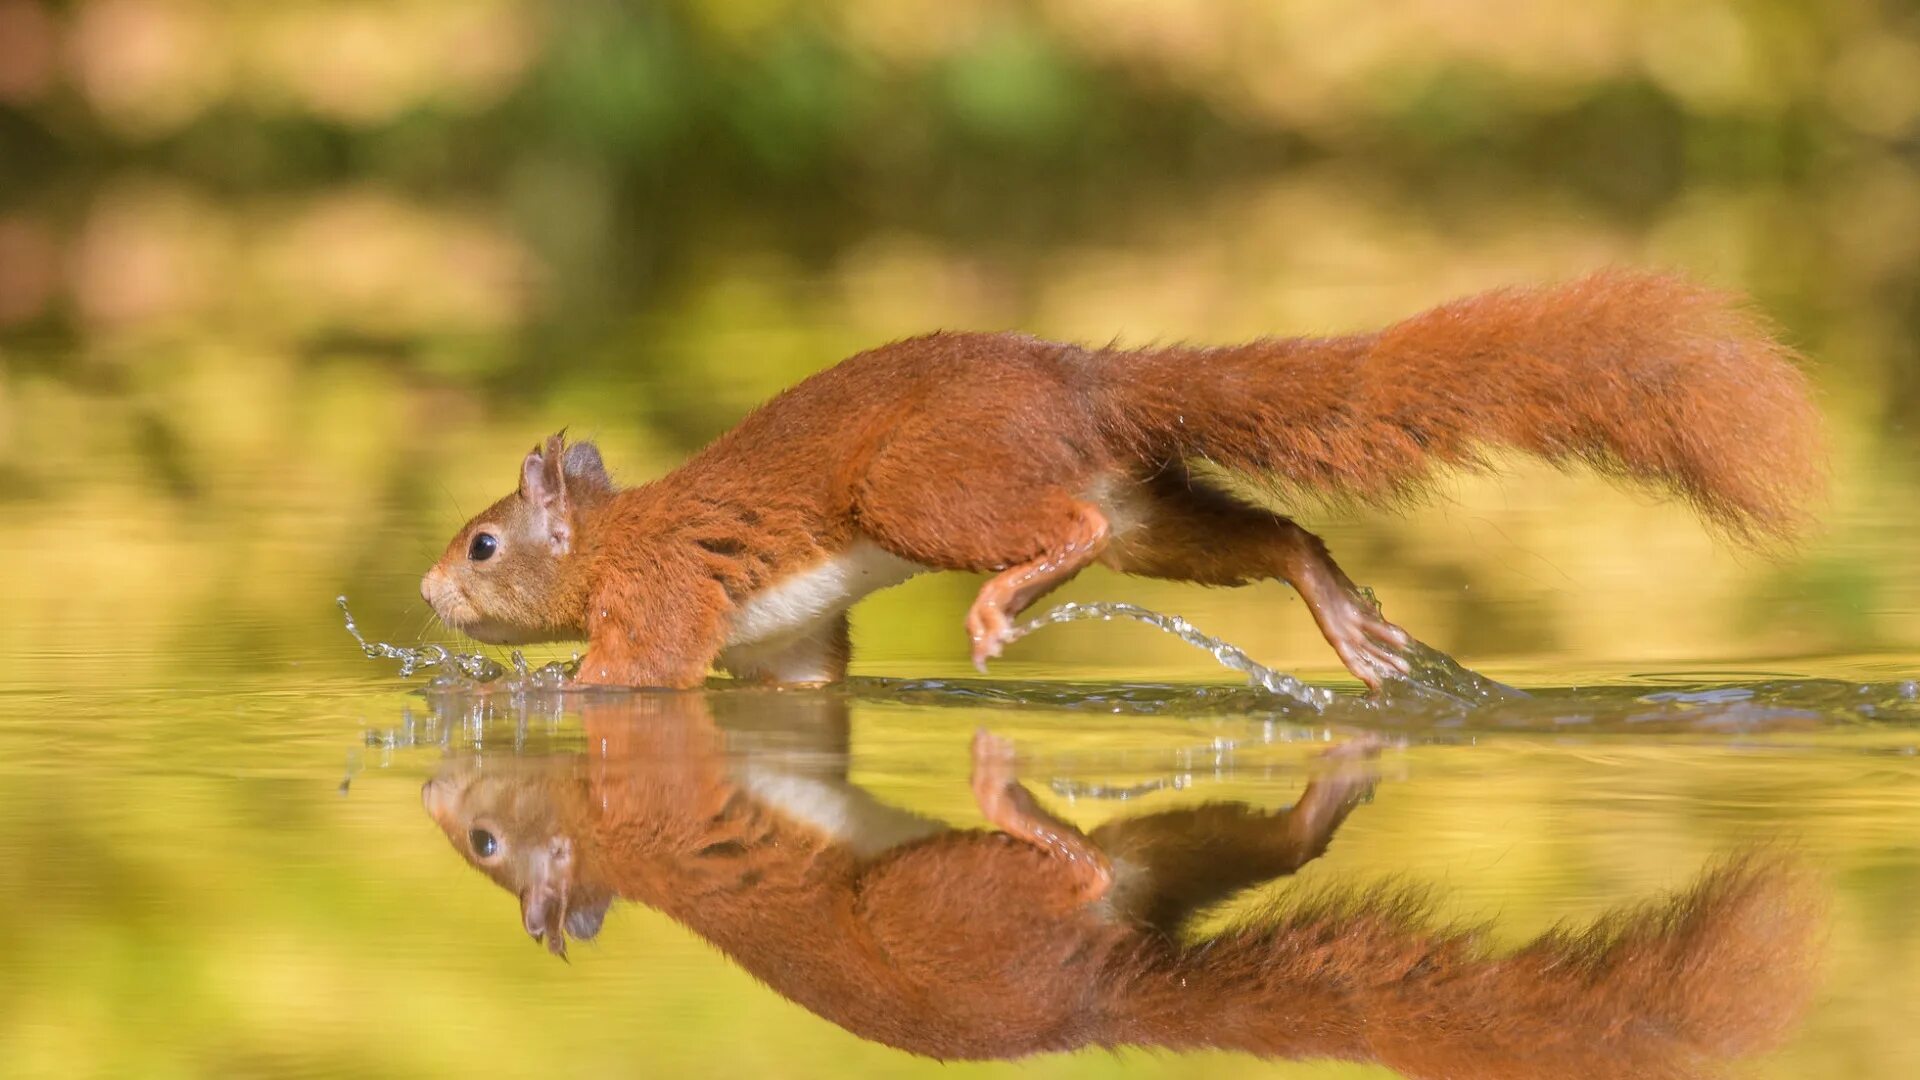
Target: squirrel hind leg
[(1174, 864), (985, 488), (1067, 549), (1189, 531)]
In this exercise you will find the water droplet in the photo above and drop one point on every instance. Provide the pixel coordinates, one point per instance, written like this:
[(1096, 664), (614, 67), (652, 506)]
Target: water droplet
[(1229, 655), (472, 667)]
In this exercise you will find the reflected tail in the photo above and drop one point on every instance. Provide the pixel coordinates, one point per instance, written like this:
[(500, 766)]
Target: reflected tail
[(1669, 990)]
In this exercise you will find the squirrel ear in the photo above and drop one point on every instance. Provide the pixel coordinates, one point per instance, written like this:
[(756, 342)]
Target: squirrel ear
[(543, 484), (541, 473), (585, 918), (585, 473)]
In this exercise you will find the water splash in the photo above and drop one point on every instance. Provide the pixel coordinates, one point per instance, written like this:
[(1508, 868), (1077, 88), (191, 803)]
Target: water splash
[(1433, 675), (458, 669), (1439, 696), (1229, 655)]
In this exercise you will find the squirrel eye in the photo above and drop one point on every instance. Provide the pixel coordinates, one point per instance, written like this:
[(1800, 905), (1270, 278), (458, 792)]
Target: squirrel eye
[(482, 547), (484, 844)]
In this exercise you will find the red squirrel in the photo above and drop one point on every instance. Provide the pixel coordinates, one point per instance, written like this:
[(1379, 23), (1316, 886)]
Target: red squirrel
[(1038, 937), (1031, 460)]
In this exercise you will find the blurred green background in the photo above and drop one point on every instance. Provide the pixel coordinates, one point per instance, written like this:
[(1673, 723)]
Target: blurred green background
[(328, 268), (285, 287)]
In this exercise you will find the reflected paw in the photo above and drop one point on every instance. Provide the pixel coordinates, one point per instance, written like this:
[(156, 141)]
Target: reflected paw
[(992, 773), (1361, 747)]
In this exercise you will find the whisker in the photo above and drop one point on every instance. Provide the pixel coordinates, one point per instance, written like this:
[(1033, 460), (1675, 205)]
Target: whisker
[(448, 492)]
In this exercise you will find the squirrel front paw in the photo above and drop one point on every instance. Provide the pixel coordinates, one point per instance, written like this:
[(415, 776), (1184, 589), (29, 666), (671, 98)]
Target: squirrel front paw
[(990, 629)]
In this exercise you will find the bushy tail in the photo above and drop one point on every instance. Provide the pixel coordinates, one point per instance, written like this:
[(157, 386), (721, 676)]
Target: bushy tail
[(1641, 376), (1671, 990)]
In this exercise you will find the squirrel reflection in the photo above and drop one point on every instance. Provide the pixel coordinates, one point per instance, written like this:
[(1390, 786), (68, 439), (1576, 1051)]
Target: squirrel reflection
[(1038, 937)]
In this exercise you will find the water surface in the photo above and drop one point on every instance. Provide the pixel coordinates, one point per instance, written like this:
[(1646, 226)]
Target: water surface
[(197, 890)]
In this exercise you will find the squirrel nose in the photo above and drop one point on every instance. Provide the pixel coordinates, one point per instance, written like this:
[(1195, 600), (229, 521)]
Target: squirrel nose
[(430, 585)]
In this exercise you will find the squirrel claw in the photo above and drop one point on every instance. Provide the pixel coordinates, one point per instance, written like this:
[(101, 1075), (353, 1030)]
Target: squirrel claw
[(990, 630), (992, 772), (990, 749), (1366, 642), (984, 649)]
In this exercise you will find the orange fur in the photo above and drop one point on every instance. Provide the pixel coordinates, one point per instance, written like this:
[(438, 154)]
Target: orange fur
[(1028, 459), (966, 944), (1642, 376), (1672, 989)]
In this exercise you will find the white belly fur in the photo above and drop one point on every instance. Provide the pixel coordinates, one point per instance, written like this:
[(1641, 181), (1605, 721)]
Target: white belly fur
[(843, 811), (797, 603)]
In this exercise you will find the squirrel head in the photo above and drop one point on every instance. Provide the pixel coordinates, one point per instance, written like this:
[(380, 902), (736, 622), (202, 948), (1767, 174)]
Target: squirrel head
[(510, 821), (503, 579)]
